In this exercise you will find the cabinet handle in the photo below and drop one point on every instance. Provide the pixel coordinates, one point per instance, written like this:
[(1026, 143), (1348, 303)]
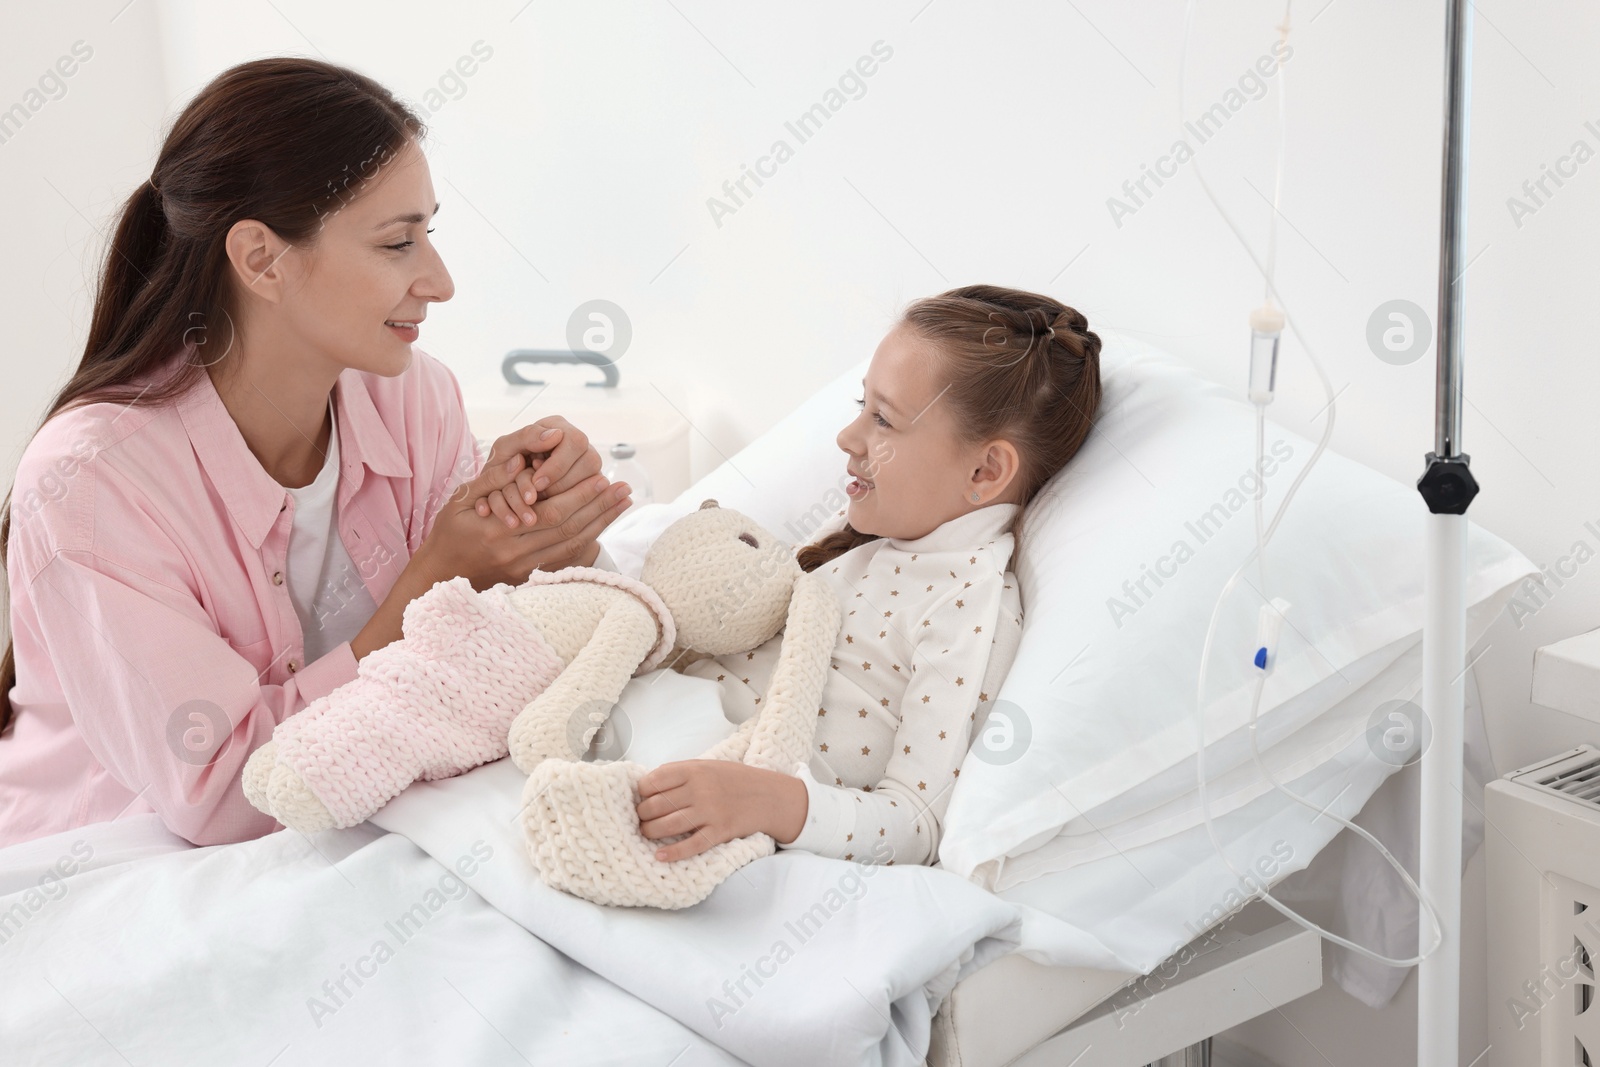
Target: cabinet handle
[(508, 366)]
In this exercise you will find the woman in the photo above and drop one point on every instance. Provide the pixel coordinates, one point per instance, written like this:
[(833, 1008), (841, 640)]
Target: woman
[(252, 472)]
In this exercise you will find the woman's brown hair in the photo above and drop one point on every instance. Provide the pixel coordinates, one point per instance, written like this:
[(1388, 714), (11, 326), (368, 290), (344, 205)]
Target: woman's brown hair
[(1020, 366), (286, 141)]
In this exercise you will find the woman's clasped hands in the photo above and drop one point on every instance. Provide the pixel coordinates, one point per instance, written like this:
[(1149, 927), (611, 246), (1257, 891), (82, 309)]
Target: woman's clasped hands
[(542, 487)]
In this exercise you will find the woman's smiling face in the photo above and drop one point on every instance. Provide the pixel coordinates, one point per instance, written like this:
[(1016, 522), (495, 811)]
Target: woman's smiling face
[(371, 264), (913, 471)]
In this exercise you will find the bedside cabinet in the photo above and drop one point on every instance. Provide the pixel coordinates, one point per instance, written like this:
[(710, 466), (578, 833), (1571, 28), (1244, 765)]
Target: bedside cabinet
[(608, 411), (1566, 676)]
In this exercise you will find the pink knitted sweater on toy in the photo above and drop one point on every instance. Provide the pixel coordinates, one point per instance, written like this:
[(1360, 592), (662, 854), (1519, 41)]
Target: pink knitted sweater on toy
[(440, 700)]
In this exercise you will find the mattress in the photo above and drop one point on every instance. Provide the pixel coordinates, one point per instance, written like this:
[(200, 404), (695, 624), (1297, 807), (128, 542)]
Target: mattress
[(995, 1015), (1019, 1012)]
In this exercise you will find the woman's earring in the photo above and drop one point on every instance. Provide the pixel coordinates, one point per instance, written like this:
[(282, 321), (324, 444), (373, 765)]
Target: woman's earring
[(975, 498)]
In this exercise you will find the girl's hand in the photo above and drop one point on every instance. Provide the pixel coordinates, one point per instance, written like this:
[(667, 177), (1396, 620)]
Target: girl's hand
[(717, 801), (567, 458)]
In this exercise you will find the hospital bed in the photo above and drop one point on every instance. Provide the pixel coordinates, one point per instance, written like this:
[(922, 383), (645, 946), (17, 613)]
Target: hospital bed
[(1097, 928)]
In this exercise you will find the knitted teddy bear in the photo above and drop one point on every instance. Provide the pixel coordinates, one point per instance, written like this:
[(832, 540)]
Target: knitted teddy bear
[(731, 587), (454, 692)]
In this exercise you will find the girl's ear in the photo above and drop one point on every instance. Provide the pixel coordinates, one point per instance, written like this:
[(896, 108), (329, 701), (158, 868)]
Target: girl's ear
[(997, 469)]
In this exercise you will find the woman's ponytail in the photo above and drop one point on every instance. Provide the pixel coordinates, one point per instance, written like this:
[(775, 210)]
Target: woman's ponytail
[(131, 289)]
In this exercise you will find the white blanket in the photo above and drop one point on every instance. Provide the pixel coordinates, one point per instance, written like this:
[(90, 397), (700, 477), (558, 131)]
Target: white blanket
[(796, 959), (357, 945), (436, 942)]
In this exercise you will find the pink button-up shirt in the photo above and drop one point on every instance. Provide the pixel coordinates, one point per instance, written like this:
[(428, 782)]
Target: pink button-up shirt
[(156, 643)]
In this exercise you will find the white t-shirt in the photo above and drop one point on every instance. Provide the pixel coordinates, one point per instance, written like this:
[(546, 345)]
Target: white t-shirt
[(328, 594)]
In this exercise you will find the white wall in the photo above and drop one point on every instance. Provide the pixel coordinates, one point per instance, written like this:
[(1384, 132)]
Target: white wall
[(80, 151), (579, 159)]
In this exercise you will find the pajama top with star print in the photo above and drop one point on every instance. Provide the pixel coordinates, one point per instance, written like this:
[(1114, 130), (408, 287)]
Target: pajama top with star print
[(931, 625)]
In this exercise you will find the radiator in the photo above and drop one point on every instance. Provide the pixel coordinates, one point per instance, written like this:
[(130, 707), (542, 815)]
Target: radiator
[(1543, 865)]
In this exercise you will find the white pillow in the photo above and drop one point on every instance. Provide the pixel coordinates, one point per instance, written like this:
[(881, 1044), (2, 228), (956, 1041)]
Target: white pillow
[(1104, 681), (1163, 806)]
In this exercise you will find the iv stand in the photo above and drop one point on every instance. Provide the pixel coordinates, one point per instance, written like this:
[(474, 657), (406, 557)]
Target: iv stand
[(1448, 487)]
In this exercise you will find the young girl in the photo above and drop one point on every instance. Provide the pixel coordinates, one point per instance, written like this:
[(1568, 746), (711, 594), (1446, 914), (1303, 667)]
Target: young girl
[(970, 404)]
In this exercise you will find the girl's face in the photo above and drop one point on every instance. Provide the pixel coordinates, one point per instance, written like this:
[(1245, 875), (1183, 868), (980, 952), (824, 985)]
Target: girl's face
[(371, 264), (914, 473)]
